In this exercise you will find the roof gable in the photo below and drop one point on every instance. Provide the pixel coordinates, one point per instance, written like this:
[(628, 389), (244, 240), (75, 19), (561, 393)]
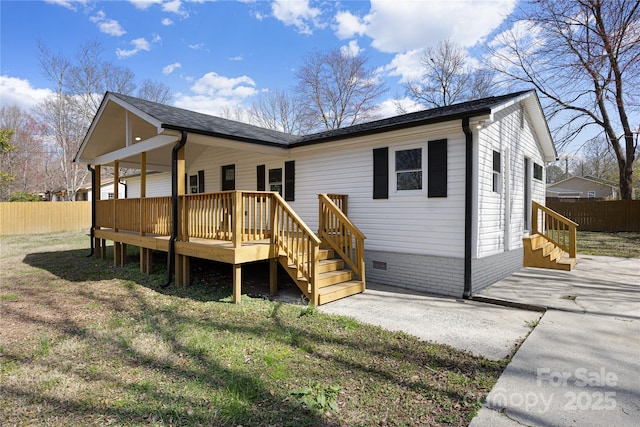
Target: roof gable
[(107, 131)]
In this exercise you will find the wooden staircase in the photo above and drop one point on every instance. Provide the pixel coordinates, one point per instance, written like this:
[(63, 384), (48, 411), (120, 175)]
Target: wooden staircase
[(552, 243), (334, 281), (542, 253), (327, 266)]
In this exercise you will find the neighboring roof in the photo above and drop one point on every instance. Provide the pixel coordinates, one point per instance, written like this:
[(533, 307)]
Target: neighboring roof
[(160, 116), (589, 179)]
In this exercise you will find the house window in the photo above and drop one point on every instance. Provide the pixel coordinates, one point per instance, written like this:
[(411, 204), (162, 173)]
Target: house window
[(110, 195), (591, 194), (196, 183), (437, 169), (193, 184), (275, 180), (537, 171), (409, 169), (228, 177), (496, 172)]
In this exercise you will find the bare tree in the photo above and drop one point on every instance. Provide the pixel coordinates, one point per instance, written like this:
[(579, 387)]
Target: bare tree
[(279, 110), (155, 91), (447, 78), (79, 86), (582, 56), (337, 89), (26, 162)]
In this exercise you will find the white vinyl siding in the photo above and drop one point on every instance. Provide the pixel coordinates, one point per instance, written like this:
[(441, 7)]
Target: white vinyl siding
[(515, 143), (158, 185), (406, 222)]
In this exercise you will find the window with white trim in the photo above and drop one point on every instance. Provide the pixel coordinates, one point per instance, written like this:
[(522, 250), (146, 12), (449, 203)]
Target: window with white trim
[(591, 194), (497, 172), (409, 169)]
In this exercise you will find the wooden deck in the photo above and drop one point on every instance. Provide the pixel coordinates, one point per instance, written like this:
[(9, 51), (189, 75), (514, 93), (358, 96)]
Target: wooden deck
[(238, 227)]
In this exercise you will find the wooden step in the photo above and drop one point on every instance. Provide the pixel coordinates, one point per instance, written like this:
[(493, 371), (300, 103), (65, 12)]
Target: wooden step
[(340, 290), (325, 254), (332, 277), (326, 265)]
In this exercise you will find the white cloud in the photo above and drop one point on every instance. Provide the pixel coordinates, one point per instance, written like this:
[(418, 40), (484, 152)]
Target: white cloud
[(198, 46), (138, 45), (349, 25), (107, 26), (175, 6), (16, 91), (144, 4), (394, 107), (407, 65), (297, 13), (352, 49), (401, 26), (213, 93), (237, 58), (171, 68), (69, 4), (167, 22)]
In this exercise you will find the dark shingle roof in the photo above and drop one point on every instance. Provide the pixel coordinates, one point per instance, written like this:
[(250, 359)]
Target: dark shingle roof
[(190, 121), (181, 119)]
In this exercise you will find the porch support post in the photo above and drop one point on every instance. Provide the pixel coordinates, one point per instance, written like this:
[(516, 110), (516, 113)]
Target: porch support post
[(237, 219), (145, 253), (117, 246), (273, 276), (183, 276), (237, 281), (181, 261), (97, 244)]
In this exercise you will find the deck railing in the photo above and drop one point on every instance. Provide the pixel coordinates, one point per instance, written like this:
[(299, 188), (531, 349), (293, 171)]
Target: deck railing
[(341, 234), (340, 200), (559, 230), (155, 217), (295, 239)]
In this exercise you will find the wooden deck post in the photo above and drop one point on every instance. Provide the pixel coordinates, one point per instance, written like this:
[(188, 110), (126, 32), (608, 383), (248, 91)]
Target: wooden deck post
[(273, 276), (237, 283), (183, 276), (237, 219), (97, 244)]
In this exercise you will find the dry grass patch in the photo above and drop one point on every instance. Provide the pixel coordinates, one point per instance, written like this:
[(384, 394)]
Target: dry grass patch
[(84, 343)]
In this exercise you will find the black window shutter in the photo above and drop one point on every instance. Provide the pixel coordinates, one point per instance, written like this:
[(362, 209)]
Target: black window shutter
[(437, 169), (381, 173), (289, 180), (200, 181), (260, 173), (186, 183)]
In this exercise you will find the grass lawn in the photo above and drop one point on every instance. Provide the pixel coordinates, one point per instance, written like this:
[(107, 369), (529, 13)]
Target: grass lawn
[(625, 245), (84, 343)]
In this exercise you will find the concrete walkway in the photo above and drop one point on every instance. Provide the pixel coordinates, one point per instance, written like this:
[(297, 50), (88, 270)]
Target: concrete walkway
[(484, 329), (581, 365)]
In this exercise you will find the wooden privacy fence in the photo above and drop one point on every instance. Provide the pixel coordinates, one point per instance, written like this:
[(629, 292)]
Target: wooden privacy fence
[(44, 217), (610, 215)]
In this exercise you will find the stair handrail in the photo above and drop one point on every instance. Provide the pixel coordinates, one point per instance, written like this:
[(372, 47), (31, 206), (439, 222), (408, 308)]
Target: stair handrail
[(555, 228), (337, 230), (293, 237)]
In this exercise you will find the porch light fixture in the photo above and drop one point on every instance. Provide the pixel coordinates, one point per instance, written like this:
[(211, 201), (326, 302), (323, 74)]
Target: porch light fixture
[(137, 138), (480, 124)]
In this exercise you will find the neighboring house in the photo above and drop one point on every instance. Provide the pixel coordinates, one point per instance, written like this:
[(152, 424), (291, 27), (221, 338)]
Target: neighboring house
[(106, 191), (443, 195), (582, 187)]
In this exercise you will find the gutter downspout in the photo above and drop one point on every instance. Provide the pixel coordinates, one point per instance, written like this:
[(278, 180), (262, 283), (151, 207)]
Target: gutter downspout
[(171, 261), (93, 208), (468, 206)]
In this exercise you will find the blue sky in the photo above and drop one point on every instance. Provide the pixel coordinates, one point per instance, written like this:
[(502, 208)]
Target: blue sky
[(217, 55)]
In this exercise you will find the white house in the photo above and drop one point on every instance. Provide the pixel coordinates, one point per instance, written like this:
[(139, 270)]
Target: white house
[(443, 196)]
